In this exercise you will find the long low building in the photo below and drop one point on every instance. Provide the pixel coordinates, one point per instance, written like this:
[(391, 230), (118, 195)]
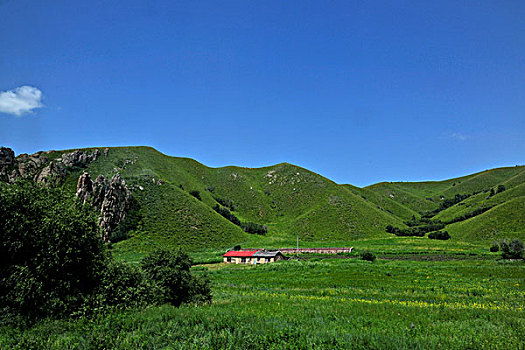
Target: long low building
[(258, 256), (333, 250)]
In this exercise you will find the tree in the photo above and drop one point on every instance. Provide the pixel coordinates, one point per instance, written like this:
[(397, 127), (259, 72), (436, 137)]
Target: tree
[(368, 256), (171, 272), (51, 252), (500, 189), (196, 194), (511, 249)]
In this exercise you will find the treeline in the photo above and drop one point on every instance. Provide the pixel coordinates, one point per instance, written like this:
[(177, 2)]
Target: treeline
[(53, 262), (468, 215), (416, 231), (446, 203), (228, 203), (249, 227)]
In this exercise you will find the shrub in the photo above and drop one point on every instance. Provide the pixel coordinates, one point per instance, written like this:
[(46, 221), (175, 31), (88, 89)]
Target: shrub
[(171, 272), (237, 247), (494, 247), (442, 235), (225, 213), (511, 249), (228, 203), (123, 286), (368, 256), (51, 252), (196, 194), (252, 227)]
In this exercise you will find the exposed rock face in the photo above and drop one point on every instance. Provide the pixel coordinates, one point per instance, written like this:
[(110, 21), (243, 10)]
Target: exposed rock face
[(114, 206), (7, 160), (79, 158), (111, 197), (7, 157), (51, 174), (84, 188), (38, 167)]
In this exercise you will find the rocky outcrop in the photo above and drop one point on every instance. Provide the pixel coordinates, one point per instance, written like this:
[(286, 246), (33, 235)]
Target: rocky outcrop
[(84, 188), (114, 206), (79, 158), (7, 157), (38, 167), (53, 173), (7, 160), (111, 197)]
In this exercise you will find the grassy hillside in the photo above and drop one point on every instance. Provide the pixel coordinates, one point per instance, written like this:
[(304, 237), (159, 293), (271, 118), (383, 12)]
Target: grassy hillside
[(289, 199), (292, 202), (506, 220), (480, 214)]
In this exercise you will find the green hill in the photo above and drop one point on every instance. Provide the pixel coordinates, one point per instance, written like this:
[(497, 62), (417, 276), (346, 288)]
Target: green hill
[(294, 202), (288, 199), (506, 220)]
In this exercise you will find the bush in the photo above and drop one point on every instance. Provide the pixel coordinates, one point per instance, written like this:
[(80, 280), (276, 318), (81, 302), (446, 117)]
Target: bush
[(511, 249), (225, 213), (237, 247), (196, 194), (442, 235), (124, 286), (171, 272), (51, 251), (252, 227), (494, 247), (368, 256), (228, 203)]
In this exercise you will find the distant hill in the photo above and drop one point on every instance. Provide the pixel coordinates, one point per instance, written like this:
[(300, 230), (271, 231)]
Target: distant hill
[(292, 201), (494, 214)]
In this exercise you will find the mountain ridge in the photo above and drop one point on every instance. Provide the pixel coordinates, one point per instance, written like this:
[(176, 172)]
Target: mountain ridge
[(290, 200)]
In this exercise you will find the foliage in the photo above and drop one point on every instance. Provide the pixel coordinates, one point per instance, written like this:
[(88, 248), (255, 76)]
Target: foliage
[(417, 231), (130, 223), (237, 247), (511, 249), (368, 256), (171, 272), (441, 235), (252, 227), (225, 213), (196, 194), (228, 203), (123, 286), (494, 247), (50, 249)]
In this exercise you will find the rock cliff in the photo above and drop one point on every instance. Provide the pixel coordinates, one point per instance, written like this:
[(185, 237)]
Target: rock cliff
[(39, 168), (111, 197)]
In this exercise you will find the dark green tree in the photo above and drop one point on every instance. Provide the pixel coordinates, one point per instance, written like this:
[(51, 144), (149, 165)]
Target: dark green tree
[(171, 272), (51, 253), (511, 249)]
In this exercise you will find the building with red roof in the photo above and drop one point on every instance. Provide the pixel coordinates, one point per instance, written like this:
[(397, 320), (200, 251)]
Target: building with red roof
[(251, 256)]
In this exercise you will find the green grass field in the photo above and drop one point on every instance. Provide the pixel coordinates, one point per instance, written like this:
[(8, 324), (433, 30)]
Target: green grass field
[(419, 294), (470, 303)]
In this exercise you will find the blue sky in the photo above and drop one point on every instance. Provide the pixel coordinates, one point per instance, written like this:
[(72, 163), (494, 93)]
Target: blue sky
[(358, 91)]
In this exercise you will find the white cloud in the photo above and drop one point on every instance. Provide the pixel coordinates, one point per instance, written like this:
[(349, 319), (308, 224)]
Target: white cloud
[(459, 136), (21, 100)]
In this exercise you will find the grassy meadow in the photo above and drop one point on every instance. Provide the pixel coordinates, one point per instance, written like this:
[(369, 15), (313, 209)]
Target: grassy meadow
[(402, 301), (419, 293)]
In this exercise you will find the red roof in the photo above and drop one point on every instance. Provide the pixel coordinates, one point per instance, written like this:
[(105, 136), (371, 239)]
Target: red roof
[(241, 253)]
